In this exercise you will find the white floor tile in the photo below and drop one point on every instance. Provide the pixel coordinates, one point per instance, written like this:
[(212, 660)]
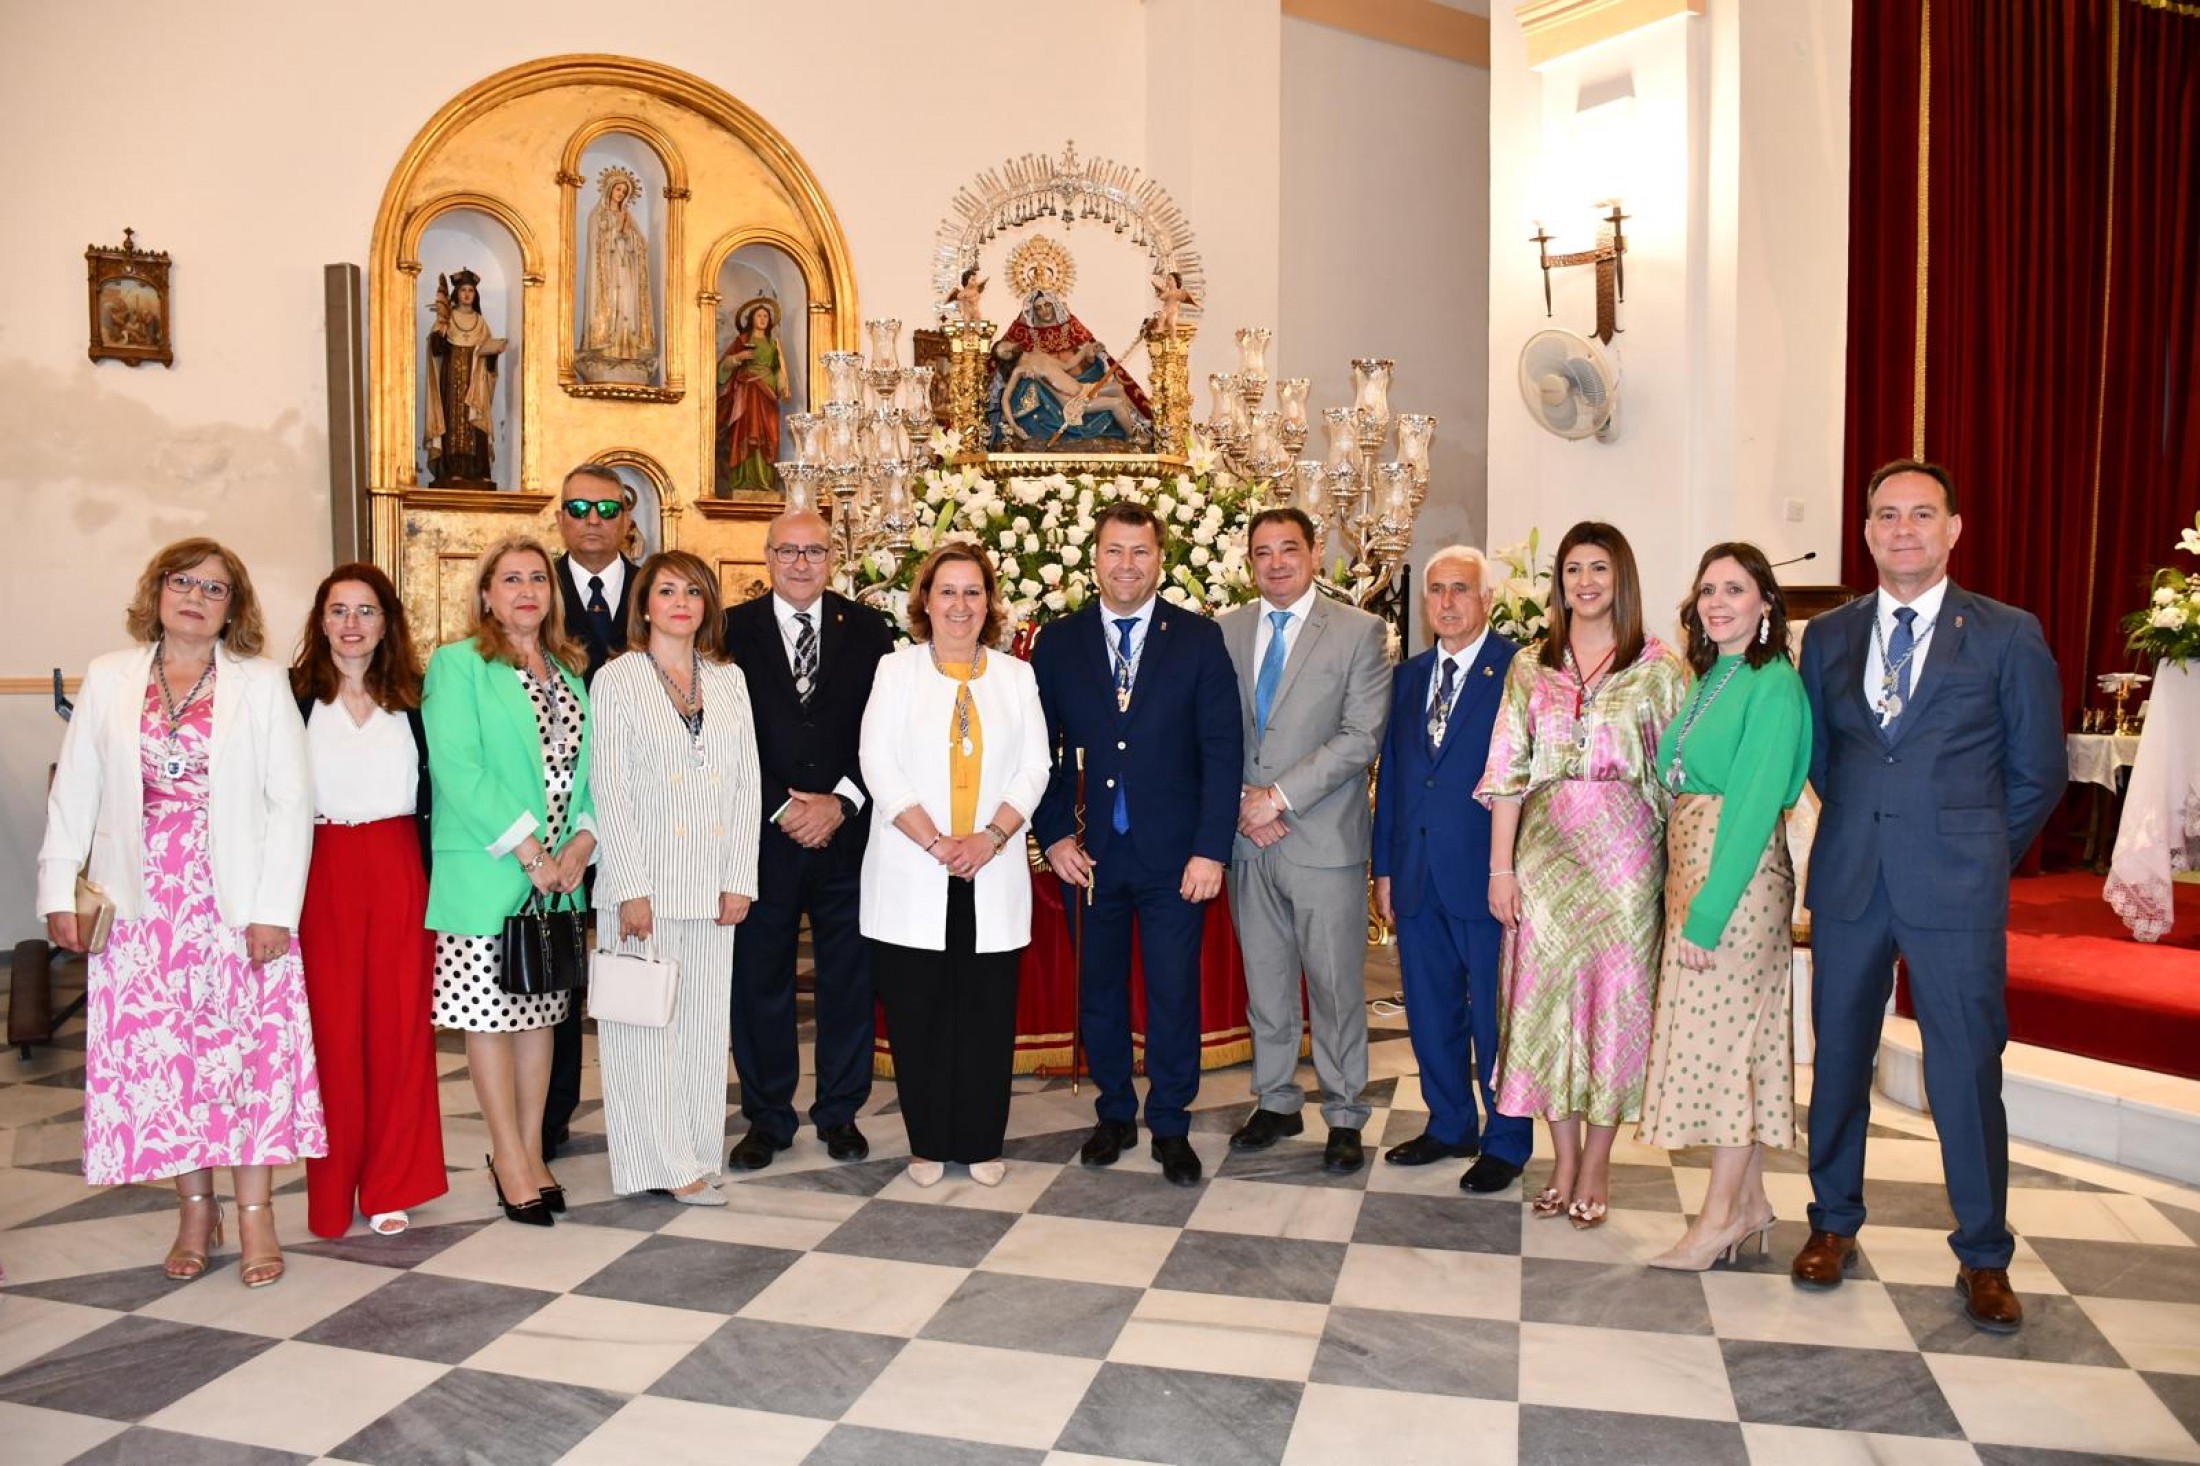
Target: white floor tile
[(2068, 1407), (685, 1433), (867, 1294), (1794, 1445), (1339, 1423), (553, 1257), (1617, 1369), (1080, 1250), (1856, 1315), (38, 1437), (1430, 1280), (1267, 1209), (299, 1397), (606, 1343), (957, 1390), (312, 1288), (1265, 1338), (2158, 1337)]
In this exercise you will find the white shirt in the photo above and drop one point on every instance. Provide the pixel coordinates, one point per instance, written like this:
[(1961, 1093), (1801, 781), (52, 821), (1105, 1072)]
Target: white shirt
[(613, 575), (1927, 607), (1463, 659), (1142, 618), (1265, 630), (361, 773), (784, 611)]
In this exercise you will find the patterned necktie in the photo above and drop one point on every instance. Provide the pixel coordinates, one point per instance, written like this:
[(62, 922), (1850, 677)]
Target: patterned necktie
[(1271, 670), (1439, 711), (805, 658), (1124, 626), (599, 613), (1899, 647)]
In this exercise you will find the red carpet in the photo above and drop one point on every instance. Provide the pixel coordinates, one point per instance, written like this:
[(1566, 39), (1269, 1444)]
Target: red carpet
[(2080, 984)]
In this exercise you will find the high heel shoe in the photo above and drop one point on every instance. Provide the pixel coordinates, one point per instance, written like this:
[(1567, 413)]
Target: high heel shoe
[(267, 1267), (1547, 1204), (534, 1213), (553, 1197), (1585, 1214), (1725, 1245), (183, 1264)]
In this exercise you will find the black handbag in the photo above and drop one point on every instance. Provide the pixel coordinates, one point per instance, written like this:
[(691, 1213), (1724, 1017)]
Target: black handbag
[(544, 948)]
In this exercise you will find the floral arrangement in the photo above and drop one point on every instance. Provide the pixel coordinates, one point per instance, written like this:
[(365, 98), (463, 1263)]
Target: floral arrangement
[(1038, 532), (1520, 609), (2168, 627)]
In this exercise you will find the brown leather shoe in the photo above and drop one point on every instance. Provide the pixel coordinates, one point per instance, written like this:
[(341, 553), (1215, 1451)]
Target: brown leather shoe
[(1823, 1260), (1988, 1300)]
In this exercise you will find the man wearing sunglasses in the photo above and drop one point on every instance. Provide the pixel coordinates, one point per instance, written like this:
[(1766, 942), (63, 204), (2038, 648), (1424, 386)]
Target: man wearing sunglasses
[(809, 655), (595, 510)]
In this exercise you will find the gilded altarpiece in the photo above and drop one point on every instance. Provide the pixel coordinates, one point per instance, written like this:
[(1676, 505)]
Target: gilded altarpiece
[(507, 155)]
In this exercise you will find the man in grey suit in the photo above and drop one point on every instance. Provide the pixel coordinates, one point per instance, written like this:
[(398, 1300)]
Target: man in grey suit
[(1937, 752), (1314, 690)]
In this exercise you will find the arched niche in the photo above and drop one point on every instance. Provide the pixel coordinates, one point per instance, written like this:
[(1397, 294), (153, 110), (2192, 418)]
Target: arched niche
[(656, 503), (596, 152), (727, 178), (456, 242), (741, 270)]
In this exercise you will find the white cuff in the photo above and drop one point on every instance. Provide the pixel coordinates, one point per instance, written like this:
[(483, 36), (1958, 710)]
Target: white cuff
[(511, 839), (847, 789)]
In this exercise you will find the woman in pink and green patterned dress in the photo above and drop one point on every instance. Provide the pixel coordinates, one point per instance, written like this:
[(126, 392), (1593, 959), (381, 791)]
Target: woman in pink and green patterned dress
[(1577, 864)]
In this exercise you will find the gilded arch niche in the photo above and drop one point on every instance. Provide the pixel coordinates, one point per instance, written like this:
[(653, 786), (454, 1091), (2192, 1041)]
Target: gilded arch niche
[(722, 178)]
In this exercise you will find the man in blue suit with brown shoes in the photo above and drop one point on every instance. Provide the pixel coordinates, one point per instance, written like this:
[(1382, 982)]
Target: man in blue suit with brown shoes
[(1431, 864), (1937, 754), (1145, 689)]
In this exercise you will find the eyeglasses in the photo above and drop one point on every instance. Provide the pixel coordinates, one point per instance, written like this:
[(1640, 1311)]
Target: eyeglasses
[(368, 615), (183, 584), (788, 554), (606, 509)]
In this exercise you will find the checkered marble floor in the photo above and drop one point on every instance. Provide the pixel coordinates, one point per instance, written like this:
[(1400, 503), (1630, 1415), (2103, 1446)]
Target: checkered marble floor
[(837, 1313)]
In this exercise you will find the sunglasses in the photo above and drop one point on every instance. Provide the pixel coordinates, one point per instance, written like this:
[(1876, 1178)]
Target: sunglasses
[(606, 509)]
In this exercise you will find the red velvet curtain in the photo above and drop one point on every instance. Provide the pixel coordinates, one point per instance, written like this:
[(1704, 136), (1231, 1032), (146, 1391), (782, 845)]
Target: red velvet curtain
[(2063, 220)]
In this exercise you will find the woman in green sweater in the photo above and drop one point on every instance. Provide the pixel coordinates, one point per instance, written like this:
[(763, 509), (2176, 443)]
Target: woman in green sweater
[(1722, 1070)]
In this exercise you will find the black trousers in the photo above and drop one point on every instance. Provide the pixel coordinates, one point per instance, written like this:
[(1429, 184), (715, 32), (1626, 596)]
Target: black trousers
[(951, 1015), (766, 1055), (564, 1096)]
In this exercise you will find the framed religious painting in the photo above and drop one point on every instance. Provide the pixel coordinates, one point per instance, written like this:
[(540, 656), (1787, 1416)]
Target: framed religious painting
[(131, 314)]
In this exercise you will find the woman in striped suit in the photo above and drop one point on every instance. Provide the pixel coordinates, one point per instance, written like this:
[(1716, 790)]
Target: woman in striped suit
[(676, 786)]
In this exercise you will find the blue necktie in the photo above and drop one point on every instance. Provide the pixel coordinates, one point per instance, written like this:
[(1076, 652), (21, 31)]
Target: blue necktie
[(1439, 711), (1271, 670), (1899, 647), (1124, 626)]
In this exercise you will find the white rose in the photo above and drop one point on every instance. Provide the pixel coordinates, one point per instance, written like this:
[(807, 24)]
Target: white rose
[(1076, 534), (1021, 523), (1051, 573), (1176, 595), (1164, 505), (1008, 541), (1184, 513), (1032, 587), (1199, 557), (1007, 568), (1071, 555), (1074, 594), (1055, 601), (2169, 618), (2164, 595), (1203, 535)]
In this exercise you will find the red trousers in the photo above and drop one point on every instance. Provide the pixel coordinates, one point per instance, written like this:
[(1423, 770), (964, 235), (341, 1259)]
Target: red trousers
[(370, 975)]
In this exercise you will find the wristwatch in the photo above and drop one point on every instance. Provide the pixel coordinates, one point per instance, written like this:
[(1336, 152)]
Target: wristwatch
[(847, 806), (1000, 837)]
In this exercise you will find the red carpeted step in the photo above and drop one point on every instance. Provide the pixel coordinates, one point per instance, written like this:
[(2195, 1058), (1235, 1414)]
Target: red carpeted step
[(2079, 983)]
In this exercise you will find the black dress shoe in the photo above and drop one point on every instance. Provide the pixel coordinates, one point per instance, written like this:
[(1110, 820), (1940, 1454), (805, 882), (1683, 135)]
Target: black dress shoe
[(1489, 1174), (1179, 1162), (1108, 1141), (1265, 1129), (1425, 1149), (754, 1151), (1343, 1155), (842, 1142)]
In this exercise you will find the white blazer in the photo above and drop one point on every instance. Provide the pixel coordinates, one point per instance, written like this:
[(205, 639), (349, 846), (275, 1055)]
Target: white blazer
[(259, 807), (904, 757), (667, 828)]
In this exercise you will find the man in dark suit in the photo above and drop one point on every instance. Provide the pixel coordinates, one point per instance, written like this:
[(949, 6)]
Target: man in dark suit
[(1144, 690), (809, 656), (595, 516), (1431, 863), (1937, 755)]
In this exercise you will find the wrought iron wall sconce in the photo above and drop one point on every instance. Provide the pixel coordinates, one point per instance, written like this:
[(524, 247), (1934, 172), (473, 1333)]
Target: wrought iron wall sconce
[(1610, 258)]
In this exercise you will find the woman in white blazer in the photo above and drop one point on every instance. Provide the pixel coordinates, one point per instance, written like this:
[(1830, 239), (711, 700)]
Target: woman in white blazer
[(953, 736), (182, 790), (676, 784)]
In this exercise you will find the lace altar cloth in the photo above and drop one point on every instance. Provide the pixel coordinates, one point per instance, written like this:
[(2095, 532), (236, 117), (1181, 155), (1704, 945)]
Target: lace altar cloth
[(2158, 839)]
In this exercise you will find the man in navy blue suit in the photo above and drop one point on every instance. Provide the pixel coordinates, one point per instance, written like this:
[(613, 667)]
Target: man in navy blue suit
[(1937, 754), (1432, 865), (1146, 690)]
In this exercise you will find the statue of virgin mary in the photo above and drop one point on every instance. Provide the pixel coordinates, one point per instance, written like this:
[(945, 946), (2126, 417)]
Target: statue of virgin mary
[(619, 342), (1055, 386)]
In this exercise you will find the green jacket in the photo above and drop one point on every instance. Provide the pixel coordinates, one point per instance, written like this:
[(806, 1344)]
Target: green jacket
[(485, 760)]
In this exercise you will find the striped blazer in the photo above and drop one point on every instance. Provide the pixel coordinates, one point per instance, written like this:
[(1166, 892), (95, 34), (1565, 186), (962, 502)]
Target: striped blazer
[(668, 826)]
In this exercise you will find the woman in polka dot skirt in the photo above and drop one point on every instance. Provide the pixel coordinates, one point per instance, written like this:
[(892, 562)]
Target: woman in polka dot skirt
[(1722, 1069), (507, 721)]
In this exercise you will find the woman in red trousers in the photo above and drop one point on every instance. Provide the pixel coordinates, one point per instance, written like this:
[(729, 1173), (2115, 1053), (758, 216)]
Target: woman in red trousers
[(369, 956)]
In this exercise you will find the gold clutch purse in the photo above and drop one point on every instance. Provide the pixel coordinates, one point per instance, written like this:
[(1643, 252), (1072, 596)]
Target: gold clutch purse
[(95, 914)]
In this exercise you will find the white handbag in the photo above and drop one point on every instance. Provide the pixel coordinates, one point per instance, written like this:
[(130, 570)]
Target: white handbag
[(625, 988)]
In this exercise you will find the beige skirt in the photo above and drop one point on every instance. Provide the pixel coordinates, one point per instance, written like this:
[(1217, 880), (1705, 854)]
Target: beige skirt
[(1722, 1058)]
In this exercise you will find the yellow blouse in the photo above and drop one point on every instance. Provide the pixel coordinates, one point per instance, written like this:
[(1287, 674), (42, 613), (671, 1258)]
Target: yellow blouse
[(963, 762)]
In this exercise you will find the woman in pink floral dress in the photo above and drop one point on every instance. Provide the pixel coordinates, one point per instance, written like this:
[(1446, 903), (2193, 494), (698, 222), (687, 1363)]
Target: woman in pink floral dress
[(182, 791)]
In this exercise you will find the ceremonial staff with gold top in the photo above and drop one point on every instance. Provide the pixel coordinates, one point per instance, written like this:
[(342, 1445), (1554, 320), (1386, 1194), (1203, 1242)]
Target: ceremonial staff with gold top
[(1077, 942), (1144, 712)]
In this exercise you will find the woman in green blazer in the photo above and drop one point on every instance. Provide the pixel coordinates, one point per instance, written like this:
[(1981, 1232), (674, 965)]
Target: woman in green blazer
[(507, 721)]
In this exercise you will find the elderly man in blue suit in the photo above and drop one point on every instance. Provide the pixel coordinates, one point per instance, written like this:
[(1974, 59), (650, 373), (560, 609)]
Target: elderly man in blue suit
[(1937, 754), (1145, 689), (1431, 863)]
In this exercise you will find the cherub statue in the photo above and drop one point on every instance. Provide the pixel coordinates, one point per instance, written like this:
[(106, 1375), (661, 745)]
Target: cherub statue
[(963, 299), (1171, 298)]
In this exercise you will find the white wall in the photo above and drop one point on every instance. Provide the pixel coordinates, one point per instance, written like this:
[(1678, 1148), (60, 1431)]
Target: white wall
[(1386, 223), (1732, 331)]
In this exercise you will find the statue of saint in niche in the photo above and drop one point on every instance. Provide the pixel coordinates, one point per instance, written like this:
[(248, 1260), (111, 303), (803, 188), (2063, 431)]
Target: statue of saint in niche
[(462, 385), (619, 343), (752, 382)]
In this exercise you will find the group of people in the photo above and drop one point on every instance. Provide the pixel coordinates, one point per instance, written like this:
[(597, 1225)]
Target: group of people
[(1581, 843)]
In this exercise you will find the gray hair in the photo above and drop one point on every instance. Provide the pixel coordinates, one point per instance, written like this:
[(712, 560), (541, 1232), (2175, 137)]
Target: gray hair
[(1461, 555)]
